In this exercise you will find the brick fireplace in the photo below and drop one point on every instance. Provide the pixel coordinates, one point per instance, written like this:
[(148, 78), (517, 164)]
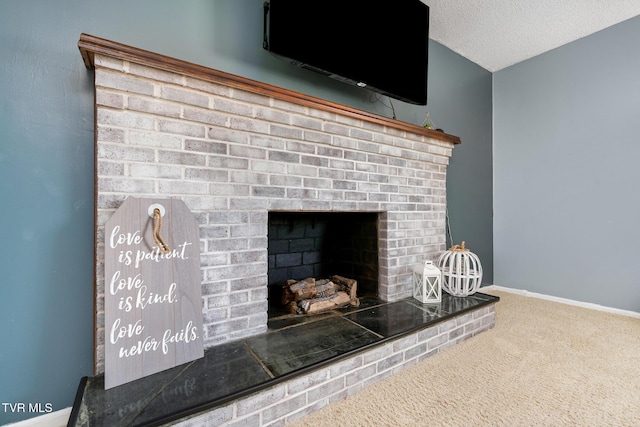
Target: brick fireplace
[(237, 152), (282, 185)]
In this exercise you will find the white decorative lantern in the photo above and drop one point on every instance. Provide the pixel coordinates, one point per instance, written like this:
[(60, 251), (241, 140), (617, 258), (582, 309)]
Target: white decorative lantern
[(427, 282), (461, 271)]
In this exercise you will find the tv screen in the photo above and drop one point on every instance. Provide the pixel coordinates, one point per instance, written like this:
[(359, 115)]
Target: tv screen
[(382, 47)]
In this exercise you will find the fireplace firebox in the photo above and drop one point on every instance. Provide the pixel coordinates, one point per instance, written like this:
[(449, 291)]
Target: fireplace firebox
[(320, 245)]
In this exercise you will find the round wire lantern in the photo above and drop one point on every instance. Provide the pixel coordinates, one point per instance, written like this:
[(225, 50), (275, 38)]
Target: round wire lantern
[(461, 271)]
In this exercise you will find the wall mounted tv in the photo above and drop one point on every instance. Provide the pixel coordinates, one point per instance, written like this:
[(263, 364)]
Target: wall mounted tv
[(382, 46)]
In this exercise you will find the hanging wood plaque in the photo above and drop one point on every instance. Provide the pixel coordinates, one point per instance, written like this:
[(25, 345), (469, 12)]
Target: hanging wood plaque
[(153, 302)]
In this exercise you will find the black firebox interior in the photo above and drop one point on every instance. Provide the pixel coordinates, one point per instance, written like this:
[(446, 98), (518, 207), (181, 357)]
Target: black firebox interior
[(319, 245)]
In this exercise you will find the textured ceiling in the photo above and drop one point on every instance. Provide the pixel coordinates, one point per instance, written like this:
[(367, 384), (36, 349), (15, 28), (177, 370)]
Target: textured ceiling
[(498, 33)]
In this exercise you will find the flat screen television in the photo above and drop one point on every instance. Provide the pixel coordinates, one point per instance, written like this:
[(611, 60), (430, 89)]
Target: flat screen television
[(382, 46)]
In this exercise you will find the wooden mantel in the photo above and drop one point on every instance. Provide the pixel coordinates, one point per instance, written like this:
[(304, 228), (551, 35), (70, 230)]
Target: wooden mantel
[(90, 45)]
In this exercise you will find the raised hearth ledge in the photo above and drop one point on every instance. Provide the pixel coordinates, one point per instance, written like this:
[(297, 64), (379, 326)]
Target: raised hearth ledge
[(342, 352), (90, 45)]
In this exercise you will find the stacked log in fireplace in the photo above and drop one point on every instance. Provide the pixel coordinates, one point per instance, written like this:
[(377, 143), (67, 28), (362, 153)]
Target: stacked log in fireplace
[(311, 296)]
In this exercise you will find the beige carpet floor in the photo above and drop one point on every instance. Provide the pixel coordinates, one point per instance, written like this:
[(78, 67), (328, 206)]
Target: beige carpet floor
[(543, 364)]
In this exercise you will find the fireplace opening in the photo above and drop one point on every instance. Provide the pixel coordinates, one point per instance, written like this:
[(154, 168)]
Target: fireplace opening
[(321, 245)]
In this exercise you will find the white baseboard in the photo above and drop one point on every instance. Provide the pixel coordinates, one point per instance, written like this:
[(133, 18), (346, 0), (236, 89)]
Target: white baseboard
[(592, 306), (54, 419)]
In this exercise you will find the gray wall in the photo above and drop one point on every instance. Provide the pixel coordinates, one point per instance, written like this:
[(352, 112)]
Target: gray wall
[(566, 175), (461, 105), (46, 159)]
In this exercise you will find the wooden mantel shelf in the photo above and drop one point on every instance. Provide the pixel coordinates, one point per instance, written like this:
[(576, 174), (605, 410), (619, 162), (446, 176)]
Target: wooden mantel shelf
[(90, 45)]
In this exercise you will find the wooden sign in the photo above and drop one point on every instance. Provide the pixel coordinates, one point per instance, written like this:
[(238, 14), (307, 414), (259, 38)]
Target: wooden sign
[(153, 302)]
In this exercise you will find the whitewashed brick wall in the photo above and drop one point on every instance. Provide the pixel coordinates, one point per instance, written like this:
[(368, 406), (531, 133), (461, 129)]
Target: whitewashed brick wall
[(233, 156)]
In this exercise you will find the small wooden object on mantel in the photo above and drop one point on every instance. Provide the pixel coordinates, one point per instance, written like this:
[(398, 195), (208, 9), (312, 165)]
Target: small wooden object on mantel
[(153, 302)]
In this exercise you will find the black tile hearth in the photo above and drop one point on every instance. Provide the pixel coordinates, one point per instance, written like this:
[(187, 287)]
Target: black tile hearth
[(224, 371), (291, 349), (292, 346), (395, 318)]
